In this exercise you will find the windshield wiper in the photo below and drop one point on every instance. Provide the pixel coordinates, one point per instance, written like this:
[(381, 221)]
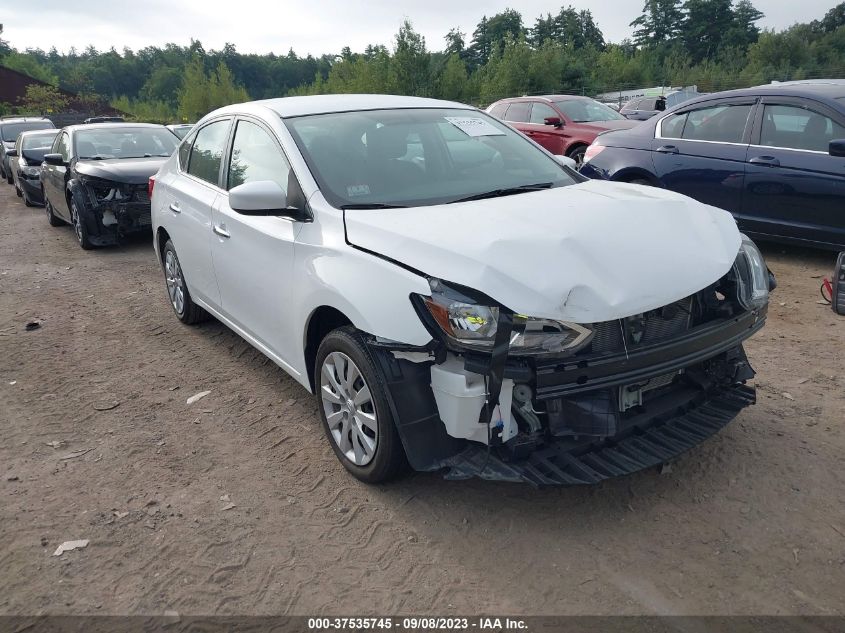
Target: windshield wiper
[(371, 205), (509, 191)]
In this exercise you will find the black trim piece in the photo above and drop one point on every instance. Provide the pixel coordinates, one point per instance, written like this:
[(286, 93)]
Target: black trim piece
[(577, 375), (652, 442)]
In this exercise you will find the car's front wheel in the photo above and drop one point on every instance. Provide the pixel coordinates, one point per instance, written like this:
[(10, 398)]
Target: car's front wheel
[(79, 227), (577, 154), (354, 408), (186, 310)]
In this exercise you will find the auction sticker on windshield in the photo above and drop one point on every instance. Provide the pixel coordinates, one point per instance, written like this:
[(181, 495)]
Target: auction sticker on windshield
[(473, 126)]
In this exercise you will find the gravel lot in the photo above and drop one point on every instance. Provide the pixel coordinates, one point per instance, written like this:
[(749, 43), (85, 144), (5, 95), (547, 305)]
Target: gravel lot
[(236, 505)]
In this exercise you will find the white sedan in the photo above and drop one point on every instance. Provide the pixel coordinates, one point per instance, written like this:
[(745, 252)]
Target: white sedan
[(456, 297)]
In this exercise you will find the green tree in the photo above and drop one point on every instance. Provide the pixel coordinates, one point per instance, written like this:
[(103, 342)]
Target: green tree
[(453, 79), (410, 66), (659, 23), (706, 22), (44, 99)]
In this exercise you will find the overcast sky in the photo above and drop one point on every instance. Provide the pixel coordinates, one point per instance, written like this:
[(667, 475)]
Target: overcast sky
[(307, 26)]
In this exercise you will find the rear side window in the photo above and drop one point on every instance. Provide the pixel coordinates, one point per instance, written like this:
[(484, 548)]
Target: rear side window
[(498, 110), (540, 112), (518, 112), (721, 124), (255, 157), (794, 127), (207, 151)]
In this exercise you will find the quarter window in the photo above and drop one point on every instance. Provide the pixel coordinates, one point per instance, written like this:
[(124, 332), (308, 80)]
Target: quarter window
[(498, 111), (207, 151), (721, 124), (540, 112), (794, 127), (255, 156)]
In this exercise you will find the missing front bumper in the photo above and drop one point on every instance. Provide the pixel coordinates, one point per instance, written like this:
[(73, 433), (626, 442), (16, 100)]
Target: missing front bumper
[(656, 441)]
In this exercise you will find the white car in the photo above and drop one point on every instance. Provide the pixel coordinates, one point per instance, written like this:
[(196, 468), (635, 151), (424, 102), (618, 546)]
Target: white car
[(455, 296)]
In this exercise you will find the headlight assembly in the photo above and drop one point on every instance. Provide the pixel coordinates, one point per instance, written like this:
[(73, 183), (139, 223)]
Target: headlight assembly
[(31, 171), (107, 191), (470, 325), (752, 276)]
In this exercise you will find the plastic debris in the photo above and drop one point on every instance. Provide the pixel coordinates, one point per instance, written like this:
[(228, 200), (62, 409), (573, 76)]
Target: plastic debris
[(106, 406), (788, 396), (197, 396), (228, 506), (75, 454), (32, 325), (70, 545), (13, 382)]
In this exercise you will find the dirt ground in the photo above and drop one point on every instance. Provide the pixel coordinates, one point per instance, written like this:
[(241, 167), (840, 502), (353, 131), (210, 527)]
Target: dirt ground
[(97, 442)]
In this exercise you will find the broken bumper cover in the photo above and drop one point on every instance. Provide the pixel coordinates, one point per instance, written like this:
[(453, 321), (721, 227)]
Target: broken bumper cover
[(32, 188), (108, 220), (661, 439)]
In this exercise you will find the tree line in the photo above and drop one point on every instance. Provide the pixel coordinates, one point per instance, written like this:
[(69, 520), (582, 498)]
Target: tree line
[(715, 44)]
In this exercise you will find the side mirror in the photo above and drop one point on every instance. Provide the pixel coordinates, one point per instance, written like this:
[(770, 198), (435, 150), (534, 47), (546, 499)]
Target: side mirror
[(553, 120), (11, 153), (565, 161), (262, 197), (54, 159), (837, 148)]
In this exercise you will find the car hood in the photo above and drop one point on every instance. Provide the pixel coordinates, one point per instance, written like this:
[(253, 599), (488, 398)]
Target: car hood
[(132, 171), (585, 253)]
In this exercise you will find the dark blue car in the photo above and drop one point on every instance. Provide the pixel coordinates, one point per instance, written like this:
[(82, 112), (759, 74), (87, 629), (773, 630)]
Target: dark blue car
[(774, 156)]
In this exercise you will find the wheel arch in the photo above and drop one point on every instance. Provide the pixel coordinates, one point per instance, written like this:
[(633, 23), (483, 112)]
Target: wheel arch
[(321, 321), (635, 173)]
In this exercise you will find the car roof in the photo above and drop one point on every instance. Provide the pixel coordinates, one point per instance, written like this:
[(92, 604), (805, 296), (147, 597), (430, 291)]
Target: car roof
[(828, 91), (23, 119), (110, 126), (548, 98), (324, 104), (39, 132)]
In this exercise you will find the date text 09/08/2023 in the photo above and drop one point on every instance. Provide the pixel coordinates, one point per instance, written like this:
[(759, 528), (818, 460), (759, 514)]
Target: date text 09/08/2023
[(480, 623)]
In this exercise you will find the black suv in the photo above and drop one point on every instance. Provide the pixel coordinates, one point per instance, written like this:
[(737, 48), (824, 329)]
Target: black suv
[(10, 127)]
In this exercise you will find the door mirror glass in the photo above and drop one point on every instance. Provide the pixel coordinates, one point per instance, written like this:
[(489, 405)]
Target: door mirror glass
[(837, 148), (553, 120), (54, 159), (260, 197)]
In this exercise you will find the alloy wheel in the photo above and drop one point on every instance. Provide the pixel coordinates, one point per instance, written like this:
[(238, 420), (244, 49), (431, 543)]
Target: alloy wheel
[(349, 408), (77, 223), (175, 283)]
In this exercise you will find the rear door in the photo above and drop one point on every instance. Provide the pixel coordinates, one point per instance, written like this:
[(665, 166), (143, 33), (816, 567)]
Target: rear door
[(700, 151), (253, 255), (189, 195), (793, 187), (518, 114)]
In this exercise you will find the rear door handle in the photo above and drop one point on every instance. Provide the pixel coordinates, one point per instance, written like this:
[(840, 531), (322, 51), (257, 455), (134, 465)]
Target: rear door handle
[(667, 149), (174, 206), (220, 229), (769, 161)]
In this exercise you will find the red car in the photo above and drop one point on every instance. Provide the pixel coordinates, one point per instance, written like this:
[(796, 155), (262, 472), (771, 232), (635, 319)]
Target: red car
[(563, 124)]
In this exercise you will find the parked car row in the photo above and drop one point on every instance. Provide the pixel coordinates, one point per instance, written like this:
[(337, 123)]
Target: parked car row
[(455, 296)]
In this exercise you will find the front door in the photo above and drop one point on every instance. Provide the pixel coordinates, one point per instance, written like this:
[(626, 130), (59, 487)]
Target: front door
[(701, 152), (55, 176), (793, 187), (253, 254)]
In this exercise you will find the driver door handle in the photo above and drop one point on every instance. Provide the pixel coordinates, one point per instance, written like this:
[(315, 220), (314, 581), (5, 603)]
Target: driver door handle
[(220, 229), (667, 149), (768, 161), (174, 206)]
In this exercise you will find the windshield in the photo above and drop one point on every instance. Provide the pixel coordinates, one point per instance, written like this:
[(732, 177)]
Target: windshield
[(418, 157), (35, 146), (10, 131), (124, 142), (588, 111)]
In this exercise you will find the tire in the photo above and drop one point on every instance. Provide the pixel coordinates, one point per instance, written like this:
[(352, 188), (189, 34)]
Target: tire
[(177, 290), (577, 154), (9, 179), (52, 218), (79, 227), (18, 192), (356, 413)]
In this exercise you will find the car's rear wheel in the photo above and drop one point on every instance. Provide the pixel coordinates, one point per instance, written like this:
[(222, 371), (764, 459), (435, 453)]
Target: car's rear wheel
[(18, 191), (9, 178), (79, 227), (354, 408), (52, 218), (177, 290)]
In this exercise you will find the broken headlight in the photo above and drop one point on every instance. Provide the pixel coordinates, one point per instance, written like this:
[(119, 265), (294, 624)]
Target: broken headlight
[(107, 191), (31, 171), (752, 276), (471, 325)]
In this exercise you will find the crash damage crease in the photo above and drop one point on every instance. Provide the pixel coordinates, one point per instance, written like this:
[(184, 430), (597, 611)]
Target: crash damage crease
[(587, 437)]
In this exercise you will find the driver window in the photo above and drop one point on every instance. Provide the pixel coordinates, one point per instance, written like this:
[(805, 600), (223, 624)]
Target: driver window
[(255, 157), (62, 146)]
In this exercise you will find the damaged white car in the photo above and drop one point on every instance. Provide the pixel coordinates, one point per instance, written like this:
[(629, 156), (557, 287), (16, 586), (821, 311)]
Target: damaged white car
[(456, 297)]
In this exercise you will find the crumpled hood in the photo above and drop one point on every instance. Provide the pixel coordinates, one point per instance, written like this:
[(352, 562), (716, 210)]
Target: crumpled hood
[(131, 171), (586, 253)]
